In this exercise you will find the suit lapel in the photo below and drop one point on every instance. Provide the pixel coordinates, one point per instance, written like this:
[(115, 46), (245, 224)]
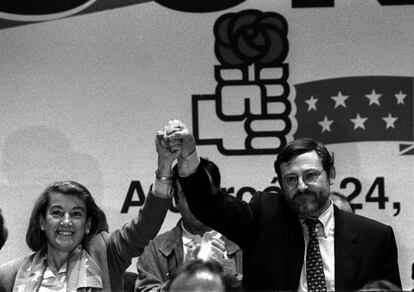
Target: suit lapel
[(295, 246), (347, 252)]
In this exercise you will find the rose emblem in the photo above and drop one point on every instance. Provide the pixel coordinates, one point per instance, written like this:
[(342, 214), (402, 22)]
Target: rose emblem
[(251, 36)]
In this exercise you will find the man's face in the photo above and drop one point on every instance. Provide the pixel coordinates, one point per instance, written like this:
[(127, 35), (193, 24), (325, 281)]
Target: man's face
[(306, 185), (190, 221)]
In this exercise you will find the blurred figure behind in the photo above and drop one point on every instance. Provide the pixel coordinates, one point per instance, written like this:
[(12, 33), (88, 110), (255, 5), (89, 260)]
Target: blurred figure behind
[(341, 202)]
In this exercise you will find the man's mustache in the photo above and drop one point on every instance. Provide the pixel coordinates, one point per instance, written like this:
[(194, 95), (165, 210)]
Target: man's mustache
[(301, 193)]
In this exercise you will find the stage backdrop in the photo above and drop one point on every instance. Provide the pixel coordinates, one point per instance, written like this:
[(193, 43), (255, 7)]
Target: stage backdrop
[(84, 88)]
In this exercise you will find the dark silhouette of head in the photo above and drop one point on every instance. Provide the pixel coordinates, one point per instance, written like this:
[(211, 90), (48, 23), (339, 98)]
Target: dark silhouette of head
[(191, 223), (3, 231)]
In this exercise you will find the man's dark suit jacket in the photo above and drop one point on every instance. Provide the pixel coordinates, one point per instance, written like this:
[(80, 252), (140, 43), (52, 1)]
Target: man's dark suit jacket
[(271, 237)]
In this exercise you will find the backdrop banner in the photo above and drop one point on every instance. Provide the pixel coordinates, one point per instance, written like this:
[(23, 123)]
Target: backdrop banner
[(86, 86)]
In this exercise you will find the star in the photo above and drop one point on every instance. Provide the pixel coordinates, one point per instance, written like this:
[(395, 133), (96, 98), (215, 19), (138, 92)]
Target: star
[(390, 121), (325, 124), (400, 97), (311, 103), (340, 99), (373, 97), (359, 122)]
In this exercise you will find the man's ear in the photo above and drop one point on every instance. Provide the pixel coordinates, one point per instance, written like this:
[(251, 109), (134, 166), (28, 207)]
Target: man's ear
[(332, 175)]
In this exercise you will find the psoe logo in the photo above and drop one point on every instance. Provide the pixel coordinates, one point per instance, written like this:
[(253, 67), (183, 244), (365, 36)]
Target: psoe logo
[(252, 84), (252, 111)]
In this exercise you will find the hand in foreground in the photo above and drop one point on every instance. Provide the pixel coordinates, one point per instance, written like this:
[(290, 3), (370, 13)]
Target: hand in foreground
[(208, 249), (178, 135), (212, 249)]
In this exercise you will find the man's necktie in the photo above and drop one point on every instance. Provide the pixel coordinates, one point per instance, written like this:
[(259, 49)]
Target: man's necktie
[(315, 276)]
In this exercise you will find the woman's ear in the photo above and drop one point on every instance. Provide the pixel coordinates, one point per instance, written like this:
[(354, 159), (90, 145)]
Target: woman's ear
[(88, 225), (42, 223)]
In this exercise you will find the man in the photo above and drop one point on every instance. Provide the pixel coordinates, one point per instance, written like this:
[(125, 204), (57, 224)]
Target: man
[(279, 234), (341, 202), (168, 251)]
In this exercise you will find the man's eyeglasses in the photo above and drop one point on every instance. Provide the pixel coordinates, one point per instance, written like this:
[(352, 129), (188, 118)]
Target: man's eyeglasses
[(308, 177)]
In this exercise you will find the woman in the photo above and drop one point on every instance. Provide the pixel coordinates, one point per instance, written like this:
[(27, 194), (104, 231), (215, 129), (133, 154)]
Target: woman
[(73, 250)]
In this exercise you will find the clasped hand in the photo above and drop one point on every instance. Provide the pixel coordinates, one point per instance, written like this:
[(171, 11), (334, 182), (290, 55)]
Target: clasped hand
[(176, 141)]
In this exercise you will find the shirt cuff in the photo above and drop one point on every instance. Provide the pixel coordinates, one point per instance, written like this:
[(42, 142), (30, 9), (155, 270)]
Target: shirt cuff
[(188, 165)]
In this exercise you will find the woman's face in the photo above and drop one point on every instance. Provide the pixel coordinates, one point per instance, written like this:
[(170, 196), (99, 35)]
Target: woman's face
[(65, 222)]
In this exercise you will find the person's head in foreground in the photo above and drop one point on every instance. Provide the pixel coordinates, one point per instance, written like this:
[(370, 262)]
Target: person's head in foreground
[(380, 285), (199, 275)]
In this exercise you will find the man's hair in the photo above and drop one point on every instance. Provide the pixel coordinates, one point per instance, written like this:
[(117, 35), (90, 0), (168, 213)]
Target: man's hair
[(210, 167), (3, 231), (301, 146), (191, 268), (36, 238)]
